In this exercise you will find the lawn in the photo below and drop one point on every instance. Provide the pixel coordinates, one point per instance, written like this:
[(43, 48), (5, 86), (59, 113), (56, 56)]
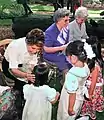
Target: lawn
[(39, 7), (94, 11), (10, 8), (5, 22)]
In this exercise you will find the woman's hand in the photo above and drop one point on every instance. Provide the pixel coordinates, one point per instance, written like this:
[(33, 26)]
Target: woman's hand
[(30, 77), (0, 101), (63, 47), (57, 95)]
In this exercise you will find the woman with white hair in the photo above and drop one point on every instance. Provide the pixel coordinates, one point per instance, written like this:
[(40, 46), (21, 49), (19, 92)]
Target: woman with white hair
[(77, 27)]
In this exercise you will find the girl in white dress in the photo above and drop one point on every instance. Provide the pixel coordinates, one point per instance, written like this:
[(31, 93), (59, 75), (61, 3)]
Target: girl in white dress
[(39, 98), (72, 94)]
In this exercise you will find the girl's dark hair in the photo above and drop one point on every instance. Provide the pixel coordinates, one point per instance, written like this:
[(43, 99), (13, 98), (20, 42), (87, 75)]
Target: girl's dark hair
[(91, 64), (77, 48), (41, 72), (96, 47)]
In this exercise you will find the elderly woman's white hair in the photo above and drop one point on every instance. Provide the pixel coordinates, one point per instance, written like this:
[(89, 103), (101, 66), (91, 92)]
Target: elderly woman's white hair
[(81, 12)]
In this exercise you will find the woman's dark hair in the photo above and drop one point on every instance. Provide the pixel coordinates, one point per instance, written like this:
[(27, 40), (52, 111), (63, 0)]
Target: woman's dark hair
[(35, 36), (77, 48), (41, 72), (96, 47)]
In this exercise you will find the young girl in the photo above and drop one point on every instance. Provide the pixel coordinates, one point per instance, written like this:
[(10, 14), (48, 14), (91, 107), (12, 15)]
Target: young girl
[(94, 83), (73, 91), (39, 97)]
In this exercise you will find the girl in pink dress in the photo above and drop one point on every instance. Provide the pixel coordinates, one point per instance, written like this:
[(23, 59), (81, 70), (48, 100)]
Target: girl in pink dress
[(94, 84)]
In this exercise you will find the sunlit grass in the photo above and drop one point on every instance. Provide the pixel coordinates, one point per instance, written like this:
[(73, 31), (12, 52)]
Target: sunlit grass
[(5, 22), (39, 7), (94, 11)]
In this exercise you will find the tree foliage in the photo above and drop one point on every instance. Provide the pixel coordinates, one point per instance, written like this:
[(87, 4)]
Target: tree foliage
[(10, 8)]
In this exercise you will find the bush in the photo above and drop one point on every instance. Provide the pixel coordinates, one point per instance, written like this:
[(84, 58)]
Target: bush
[(6, 32), (95, 29), (21, 26), (11, 10)]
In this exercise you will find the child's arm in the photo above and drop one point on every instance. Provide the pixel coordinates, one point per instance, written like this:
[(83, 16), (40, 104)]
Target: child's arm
[(56, 98), (71, 85), (51, 94), (27, 88), (72, 98), (94, 74)]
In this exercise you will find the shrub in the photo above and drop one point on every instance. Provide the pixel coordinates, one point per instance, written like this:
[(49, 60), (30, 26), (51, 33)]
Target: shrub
[(6, 32), (21, 26)]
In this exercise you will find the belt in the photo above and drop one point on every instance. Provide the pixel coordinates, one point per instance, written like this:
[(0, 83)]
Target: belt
[(97, 84)]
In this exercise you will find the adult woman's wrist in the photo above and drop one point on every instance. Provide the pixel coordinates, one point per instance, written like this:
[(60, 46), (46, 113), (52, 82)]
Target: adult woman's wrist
[(26, 74)]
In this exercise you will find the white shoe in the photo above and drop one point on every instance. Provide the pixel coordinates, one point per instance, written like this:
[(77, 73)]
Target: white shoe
[(83, 118)]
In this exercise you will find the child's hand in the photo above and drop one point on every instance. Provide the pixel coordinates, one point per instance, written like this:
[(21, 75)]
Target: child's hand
[(91, 97), (71, 112), (56, 98), (63, 47)]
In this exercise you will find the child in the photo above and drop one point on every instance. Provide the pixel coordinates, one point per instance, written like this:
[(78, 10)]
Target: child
[(39, 97), (94, 83), (73, 91)]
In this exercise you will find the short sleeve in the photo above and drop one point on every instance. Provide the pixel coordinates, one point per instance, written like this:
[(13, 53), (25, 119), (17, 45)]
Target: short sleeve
[(27, 90), (71, 83), (13, 57), (50, 93), (48, 39)]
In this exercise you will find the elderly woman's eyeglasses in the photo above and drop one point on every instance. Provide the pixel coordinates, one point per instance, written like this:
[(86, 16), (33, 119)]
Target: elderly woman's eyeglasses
[(66, 20)]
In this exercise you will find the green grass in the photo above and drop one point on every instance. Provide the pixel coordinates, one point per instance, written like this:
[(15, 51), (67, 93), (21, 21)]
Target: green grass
[(94, 11), (39, 7), (12, 9), (5, 22), (100, 116), (6, 2)]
